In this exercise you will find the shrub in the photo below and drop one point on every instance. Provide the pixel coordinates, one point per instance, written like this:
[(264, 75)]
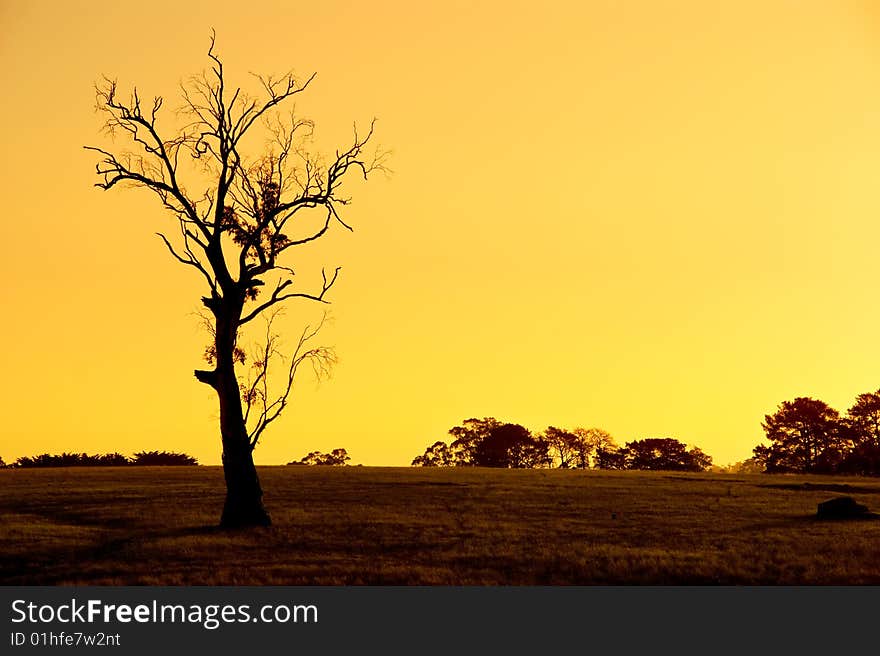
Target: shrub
[(54, 460), (163, 458), (103, 460)]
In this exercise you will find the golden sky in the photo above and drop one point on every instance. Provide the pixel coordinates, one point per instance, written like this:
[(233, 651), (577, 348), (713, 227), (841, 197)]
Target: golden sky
[(658, 218)]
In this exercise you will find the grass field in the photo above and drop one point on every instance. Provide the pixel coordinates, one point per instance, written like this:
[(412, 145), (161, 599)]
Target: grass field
[(402, 526)]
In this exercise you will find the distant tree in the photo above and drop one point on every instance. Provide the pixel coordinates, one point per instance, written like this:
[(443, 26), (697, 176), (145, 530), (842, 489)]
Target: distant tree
[(57, 460), (468, 438), (863, 419), (701, 461), (488, 442), (2, 463), (664, 454), (494, 450), (339, 457), (589, 441), (860, 437), (805, 436), (111, 460), (771, 461), (438, 454), (610, 457), (163, 458), (313, 458), (563, 446), (104, 460), (575, 448), (532, 453), (510, 445), (748, 466), (336, 458), (862, 459)]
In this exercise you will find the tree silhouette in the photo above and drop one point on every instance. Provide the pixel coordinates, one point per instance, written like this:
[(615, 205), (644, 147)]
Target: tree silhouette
[(863, 419), (164, 458), (563, 446), (235, 233), (664, 453), (576, 448), (104, 460), (511, 445), (438, 454), (589, 442), (610, 457), (72, 460), (860, 436), (698, 460), (805, 436), (336, 458), (488, 442), (747, 466), (468, 438)]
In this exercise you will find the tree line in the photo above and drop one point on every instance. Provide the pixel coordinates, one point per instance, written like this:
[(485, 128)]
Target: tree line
[(489, 442), (807, 435), (142, 458), (337, 457)]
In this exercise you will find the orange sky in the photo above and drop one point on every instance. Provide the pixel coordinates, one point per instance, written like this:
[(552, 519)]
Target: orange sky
[(659, 218)]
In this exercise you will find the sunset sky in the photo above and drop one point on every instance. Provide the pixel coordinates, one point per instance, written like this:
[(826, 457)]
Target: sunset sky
[(657, 218)]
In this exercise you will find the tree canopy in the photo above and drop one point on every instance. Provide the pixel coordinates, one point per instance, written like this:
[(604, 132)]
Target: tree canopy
[(807, 435), (664, 453)]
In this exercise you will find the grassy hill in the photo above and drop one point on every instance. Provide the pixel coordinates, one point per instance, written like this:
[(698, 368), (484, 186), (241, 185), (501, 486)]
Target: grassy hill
[(402, 526)]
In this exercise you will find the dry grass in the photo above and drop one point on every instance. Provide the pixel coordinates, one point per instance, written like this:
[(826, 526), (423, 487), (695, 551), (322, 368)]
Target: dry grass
[(358, 525)]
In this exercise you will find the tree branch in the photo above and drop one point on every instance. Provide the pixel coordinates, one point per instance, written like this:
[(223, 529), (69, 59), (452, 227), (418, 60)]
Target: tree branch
[(277, 297), (322, 359), (189, 261)]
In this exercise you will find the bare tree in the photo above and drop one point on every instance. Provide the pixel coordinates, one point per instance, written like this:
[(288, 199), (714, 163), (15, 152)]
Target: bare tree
[(236, 231)]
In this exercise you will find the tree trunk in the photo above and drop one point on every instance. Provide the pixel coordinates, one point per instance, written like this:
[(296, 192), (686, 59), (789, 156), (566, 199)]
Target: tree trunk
[(244, 496)]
